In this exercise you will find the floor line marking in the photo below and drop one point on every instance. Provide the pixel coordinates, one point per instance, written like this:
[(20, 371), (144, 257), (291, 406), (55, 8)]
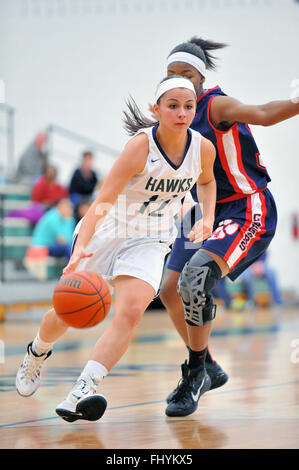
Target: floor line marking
[(2, 426)]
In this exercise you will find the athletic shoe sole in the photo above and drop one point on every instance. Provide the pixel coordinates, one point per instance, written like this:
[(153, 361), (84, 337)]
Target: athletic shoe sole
[(90, 408)]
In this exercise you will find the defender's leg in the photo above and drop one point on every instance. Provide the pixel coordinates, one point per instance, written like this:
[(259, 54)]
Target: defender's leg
[(196, 283)]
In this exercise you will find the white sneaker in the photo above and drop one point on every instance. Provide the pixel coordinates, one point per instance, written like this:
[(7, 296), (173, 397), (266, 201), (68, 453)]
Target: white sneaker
[(28, 375), (83, 402)]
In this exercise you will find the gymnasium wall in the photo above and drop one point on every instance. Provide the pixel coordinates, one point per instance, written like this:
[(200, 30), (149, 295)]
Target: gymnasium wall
[(73, 63)]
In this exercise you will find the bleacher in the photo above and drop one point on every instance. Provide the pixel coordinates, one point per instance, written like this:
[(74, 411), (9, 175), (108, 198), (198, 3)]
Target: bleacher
[(15, 232), (15, 237)]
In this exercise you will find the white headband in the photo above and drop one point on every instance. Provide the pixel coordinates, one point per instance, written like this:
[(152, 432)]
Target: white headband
[(176, 82), (189, 59)]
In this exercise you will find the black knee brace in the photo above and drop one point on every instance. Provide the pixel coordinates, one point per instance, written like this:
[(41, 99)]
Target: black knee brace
[(197, 280)]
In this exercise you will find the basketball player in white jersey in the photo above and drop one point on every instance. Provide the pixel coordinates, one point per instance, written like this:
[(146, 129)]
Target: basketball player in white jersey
[(126, 234)]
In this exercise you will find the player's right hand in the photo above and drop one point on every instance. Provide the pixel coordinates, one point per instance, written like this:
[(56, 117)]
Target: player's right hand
[(77, 256)]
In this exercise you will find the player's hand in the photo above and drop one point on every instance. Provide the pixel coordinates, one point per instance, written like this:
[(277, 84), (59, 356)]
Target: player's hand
[(77, 256), (201, 230)]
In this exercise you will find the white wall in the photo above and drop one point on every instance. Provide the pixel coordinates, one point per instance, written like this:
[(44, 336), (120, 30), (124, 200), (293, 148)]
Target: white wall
[(73, 63)]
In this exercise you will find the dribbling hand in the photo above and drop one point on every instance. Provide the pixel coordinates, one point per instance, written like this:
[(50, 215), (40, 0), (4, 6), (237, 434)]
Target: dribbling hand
[(76, 257)]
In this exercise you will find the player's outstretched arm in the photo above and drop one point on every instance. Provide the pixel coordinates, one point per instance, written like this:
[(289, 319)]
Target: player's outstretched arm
[(206, 193), (229, 110), (131, 161)]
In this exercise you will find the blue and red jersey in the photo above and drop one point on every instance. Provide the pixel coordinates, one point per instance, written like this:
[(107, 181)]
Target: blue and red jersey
[(245, 213), (238, 169)]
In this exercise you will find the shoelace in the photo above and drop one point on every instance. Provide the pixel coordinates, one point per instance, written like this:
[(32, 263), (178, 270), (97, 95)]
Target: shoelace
[(183, 384), (31, 367), (89, 385), (181, 393), (184, 373)]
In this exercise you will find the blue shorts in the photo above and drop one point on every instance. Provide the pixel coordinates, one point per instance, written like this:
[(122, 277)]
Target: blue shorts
[(243, 230)]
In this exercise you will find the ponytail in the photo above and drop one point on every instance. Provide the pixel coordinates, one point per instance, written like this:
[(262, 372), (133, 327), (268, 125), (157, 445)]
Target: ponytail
[(208, 46), (201, 48), (134, 119)]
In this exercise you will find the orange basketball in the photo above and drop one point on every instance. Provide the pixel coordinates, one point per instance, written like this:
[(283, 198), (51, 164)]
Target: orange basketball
[(82, 299)]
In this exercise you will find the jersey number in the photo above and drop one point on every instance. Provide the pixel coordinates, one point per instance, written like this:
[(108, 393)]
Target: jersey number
[(155, 212)]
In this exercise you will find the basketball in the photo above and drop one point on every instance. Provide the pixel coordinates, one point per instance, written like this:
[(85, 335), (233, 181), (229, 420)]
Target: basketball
[(82, 299)]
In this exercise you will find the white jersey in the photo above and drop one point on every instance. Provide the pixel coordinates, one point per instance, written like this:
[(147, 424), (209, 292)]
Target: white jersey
[(151, 201), (135, 235)]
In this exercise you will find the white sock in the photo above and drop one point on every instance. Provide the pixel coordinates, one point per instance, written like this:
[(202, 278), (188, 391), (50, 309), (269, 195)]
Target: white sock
[(41, 347), (96, 369)]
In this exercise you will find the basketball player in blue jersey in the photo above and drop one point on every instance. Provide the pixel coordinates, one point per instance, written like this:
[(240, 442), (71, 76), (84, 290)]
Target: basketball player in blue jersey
[(245, 217)]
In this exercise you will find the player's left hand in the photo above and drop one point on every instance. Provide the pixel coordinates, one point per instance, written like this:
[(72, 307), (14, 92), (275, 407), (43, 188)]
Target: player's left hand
[(201, 230)]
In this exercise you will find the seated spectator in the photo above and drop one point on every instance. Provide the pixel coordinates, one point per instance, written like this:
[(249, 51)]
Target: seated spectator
[(55, 230), (46, 190), (84, 179), (261, 269)]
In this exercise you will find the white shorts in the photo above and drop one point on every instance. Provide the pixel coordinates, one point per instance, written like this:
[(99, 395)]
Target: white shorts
[(142, 258)]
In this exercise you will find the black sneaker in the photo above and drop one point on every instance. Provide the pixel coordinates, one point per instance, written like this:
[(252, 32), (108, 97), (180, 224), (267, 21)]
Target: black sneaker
[(172, 394), (195, 382), (217, 375)]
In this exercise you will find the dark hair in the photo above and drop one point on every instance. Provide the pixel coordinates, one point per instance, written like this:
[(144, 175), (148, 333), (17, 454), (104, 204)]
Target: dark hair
[(134, 119), (87, 152), (200, 48)]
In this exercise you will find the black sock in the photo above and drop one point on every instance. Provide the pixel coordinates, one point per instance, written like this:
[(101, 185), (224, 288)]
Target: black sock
[(197, 358), (209, 358)]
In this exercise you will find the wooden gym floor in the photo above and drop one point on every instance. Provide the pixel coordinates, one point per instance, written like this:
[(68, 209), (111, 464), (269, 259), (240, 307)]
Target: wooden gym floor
[(257, 408)]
